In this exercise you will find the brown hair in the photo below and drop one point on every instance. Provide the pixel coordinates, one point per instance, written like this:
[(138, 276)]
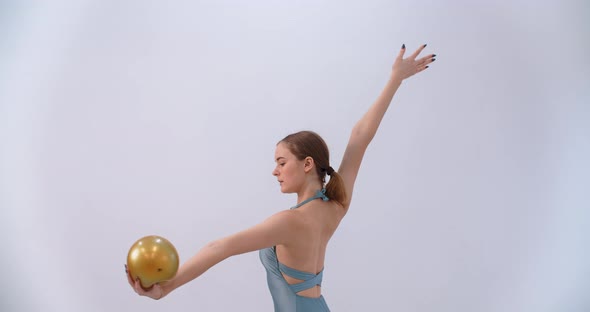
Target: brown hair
[(308, 143)]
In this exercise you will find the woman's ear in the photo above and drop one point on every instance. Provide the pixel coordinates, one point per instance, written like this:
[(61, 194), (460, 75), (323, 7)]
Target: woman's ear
[(308, 164)]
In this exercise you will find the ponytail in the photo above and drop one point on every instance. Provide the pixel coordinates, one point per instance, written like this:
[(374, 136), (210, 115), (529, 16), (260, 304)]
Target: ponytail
[(335, 189)]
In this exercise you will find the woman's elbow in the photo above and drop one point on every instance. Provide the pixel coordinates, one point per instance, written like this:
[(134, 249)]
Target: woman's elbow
[(218, 248)]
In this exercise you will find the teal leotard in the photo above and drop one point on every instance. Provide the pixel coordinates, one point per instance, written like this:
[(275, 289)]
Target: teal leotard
[(284, 295)]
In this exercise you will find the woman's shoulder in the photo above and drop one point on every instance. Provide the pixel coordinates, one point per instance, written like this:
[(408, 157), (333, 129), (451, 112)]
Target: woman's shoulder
[(326, 212), (291, 218)]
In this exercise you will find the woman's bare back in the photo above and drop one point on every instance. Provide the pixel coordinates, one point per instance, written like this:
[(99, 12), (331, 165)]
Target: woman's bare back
[(319, 220)]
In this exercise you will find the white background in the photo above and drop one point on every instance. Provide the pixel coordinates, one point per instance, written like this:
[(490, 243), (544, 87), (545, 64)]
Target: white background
[(120, 119)]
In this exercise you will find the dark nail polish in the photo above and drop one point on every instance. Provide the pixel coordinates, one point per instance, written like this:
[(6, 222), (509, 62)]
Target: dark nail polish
[(426, 67), (434, 55), (433, 59), (424, 45), (403, 46)]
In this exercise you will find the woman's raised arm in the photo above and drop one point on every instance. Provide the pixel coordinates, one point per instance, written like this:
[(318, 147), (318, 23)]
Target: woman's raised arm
[(365, 129)]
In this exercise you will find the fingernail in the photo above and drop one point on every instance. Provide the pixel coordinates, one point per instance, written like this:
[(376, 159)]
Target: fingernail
[(425, 45), (434, 55), (426, 66), (433, 59), (403, 46)]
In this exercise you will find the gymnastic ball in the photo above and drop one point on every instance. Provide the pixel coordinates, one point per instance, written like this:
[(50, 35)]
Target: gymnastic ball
[(153, 259)]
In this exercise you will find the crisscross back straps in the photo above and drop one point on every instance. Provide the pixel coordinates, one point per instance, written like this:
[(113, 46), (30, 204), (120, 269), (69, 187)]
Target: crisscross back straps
[(309, 280)]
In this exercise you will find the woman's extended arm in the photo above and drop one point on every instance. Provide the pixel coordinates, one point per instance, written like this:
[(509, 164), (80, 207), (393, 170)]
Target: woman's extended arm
[(365, 129), (275, 230)]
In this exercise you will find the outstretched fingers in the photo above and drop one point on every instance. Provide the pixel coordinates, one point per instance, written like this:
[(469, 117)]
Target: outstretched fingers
[(404, 68), (422, 63), (417, 52), (427, 58)]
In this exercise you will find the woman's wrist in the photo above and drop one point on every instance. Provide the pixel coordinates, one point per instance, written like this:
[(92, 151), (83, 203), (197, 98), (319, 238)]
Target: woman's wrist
[(395, 79), (166, 287)]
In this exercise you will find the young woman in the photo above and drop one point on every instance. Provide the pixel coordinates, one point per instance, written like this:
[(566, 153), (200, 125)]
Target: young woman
[(292, 243)]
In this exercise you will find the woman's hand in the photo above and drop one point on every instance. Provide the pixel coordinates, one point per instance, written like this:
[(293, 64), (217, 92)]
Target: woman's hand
[(406, 67), (155, 291)]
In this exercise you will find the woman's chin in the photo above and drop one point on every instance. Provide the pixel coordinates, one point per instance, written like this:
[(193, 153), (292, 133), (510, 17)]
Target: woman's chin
[(285, 190)]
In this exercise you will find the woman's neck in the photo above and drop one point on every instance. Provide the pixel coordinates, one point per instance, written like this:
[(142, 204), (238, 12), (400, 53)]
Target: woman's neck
[(308, 191)]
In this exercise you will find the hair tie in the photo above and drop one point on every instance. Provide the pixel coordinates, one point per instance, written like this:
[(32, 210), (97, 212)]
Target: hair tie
[(330, 170)]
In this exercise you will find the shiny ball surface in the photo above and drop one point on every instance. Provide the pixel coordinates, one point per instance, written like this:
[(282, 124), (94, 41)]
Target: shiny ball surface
[(153, 259)]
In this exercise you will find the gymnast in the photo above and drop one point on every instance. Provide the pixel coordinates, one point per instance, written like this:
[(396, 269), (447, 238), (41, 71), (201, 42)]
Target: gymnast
[(292, 243)]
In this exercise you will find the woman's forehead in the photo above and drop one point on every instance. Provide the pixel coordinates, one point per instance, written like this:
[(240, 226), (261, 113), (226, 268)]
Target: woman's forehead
[(282, 151)]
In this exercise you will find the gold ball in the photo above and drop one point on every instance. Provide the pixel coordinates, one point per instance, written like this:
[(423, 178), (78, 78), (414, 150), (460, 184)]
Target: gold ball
[(153, 259)]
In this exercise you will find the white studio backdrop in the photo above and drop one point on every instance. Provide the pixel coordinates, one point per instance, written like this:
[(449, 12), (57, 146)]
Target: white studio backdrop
[(120, 119)]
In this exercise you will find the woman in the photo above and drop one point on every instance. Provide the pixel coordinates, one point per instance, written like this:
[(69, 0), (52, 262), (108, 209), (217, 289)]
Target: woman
[(292, 243)]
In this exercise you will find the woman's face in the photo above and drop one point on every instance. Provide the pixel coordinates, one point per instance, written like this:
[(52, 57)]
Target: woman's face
[(290, 171)]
